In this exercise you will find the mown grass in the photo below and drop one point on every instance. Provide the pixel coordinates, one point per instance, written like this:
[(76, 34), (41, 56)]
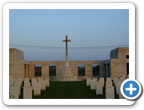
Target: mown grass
[(69, 90)]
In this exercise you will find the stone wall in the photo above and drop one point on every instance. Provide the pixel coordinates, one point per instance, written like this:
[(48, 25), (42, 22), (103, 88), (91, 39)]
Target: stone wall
[(119, 65), (59, 66), (115, 66), (17, 63)]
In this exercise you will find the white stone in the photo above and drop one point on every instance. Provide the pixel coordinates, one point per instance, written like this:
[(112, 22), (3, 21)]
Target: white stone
[(108, 80), (101, 79), (110, 92), (109, 83), (15, 90), (26, 80), (36, 88), (102, 83), (93, 85), (26, 83), (88, 81), (27, 92), (99, 88), (118, 84), (17, 84), (115, 81)]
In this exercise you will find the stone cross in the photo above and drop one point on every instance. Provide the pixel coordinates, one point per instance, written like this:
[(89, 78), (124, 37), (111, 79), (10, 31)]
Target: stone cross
[(66, 57)]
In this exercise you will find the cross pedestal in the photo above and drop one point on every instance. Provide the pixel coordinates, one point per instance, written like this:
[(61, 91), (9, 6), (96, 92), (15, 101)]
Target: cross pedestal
[(66, 73)]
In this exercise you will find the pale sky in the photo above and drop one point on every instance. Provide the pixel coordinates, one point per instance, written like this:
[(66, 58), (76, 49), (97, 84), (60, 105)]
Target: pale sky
[(31, 29)]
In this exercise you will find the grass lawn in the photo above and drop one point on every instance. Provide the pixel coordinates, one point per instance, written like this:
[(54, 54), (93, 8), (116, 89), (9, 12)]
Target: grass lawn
[(69, 90)]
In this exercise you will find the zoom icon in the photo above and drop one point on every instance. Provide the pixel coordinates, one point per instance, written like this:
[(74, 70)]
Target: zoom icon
[(132, 89)]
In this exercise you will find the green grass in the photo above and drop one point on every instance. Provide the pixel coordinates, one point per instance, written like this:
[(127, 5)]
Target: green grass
[(69, 90)]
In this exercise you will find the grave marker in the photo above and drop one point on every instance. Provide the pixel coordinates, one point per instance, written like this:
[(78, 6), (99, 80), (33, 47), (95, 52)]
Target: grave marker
[(110, 92), (88, 81), (93, 85), (109, 83), (118, 84), (27, 92), (15, 90), (36, 88), (99, 88)]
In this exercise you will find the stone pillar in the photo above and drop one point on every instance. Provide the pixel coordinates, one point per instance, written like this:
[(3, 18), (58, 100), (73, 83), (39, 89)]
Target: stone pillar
[(102, 70), (31, 71), (45, 70), (88, 70), (27, 71), (106, 70)]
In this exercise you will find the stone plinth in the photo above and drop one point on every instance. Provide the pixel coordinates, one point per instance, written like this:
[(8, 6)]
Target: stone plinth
[(66, 75)]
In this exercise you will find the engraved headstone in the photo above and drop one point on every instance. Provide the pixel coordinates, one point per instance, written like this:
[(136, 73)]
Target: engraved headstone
[(88, 81), (110, 92), (36, 88), (118, 84), (93, 85), (15, 90), (99, 88), (27, 92)]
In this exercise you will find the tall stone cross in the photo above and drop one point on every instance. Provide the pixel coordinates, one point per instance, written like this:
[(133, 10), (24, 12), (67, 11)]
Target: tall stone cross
[(66, 57)]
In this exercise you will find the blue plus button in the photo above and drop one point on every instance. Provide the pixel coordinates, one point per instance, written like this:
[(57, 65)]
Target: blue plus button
[(131, 89)]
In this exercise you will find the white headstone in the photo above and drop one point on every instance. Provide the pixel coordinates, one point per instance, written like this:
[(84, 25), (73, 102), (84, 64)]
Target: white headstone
[(110, 92), (108, 80), (115, 81), (27, 92), (26, 80), (101, 79), (26, 83), (15, 90), (36, 88), (99, 88), (118, 84), (17, 84), (88, 81), (93, 85), (109, 83)]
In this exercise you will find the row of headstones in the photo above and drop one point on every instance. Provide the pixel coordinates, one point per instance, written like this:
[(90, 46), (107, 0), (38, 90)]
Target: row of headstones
[(36, 85), (98, 85)]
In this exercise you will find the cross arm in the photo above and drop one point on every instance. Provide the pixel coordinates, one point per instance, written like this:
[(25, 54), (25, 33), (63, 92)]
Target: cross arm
[(67, 40)]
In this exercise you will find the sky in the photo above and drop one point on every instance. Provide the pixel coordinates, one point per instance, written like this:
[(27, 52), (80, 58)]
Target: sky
[(93, 33)]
